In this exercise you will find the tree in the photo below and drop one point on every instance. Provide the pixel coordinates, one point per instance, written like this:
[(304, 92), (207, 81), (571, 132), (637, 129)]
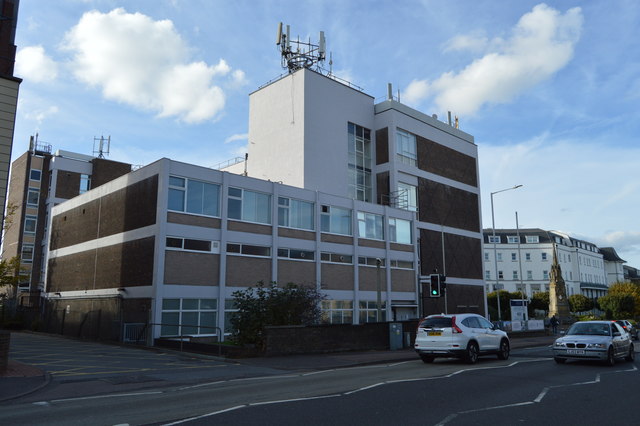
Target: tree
[(617, 305), (622, 288), (505, 305), (539, 301), (261, 306), (11, 271), (580, 303)]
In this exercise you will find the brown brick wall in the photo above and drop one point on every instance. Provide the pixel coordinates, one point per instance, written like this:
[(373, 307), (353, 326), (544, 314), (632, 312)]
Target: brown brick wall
[(187, 219), (296, 233), (296, 272), (446, 162), (382, 145), (104, 171), (403, 280), (16, 196), (124, 210), (191, 268), (383, 188), (363, 242), (444, 205), (338, 239), (336, 277), (463, 254), (67, 184), (367, 277), (121, 265), (460, 299), (249, 227), (243, 271)]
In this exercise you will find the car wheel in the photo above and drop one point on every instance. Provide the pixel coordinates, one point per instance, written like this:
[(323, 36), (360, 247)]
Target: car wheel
[(632, 354), (560, 360), (611, 359), (503, 352), (471, 355), (426, 359)]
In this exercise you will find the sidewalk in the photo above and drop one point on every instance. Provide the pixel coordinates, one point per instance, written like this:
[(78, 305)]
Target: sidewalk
[(21, 379)]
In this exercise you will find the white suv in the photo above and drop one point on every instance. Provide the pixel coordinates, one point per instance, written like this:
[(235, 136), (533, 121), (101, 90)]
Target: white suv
[(465, 336)]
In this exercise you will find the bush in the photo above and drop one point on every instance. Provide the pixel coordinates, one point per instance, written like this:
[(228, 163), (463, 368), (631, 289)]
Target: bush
[(617, 306), (580, 303)]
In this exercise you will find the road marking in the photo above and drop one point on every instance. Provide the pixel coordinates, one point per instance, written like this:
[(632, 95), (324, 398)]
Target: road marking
[(294, 400), (205, 415)]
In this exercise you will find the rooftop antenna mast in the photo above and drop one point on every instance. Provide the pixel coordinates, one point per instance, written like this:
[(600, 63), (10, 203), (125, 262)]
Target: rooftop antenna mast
[(298, 54), (101, 146)]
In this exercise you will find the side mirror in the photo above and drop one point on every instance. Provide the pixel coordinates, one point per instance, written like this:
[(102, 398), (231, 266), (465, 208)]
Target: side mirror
[(616, 334)]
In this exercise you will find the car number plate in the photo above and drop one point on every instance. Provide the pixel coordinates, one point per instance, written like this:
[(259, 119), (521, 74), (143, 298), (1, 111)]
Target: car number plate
[(434, 333), (575, 351)]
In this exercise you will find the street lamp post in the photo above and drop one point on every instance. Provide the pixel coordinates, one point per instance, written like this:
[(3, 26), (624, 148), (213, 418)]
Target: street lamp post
[(495, 250), (379, 288)]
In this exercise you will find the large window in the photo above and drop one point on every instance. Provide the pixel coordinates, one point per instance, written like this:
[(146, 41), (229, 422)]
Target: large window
[(407, 197), (359, 141), (194, 196), (399, 231), (337, 311), (406, 147), (295, 213), (33, 195), (370, 226), (30, 222), (369, 311), (249, 206), (185, 317), (335, 220)]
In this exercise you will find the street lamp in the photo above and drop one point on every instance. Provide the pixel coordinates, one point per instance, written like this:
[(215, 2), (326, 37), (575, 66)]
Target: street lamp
[(379, 288), (495, 250)]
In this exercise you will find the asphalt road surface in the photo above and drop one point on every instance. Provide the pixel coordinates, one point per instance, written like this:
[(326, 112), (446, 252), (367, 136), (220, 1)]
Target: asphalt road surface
[(527, 388)]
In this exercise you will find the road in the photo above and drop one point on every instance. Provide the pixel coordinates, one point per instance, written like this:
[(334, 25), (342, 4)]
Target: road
[(527, 388)]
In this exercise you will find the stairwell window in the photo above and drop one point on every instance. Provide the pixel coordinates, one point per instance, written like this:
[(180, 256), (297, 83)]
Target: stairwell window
[(359, 148), (406, 147)]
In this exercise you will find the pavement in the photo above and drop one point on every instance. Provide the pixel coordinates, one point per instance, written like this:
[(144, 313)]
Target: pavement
[(21, 379)]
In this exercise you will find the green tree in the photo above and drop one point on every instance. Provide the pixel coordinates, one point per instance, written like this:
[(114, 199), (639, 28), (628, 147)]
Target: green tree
[(622, 288), (505, 305), (617, 305), (539, 301), (580, 303), (263, 305)]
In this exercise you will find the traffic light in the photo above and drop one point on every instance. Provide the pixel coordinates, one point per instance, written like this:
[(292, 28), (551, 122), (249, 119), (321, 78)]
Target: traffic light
[(443, 284), (434, 285)]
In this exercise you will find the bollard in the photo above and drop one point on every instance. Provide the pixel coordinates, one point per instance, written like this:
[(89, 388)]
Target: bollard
[(5, 339)]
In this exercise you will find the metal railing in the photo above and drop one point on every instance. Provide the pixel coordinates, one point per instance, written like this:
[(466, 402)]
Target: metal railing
[(183, 337)]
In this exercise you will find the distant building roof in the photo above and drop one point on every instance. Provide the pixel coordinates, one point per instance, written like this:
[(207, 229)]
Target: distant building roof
[(609, 254)]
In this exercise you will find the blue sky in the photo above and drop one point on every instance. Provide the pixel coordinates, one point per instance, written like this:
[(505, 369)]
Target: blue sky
[(550, 91)]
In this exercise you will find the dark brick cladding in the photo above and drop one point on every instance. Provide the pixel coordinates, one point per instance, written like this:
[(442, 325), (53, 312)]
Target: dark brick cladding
[(121, 265), (444, 205), (446, 162), (129, 208), (460, 299), (382, 184), (67, 184), (382, 145), (104, 171), (463, 254)]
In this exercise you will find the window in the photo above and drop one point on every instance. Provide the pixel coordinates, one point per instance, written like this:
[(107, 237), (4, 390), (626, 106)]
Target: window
[(230, 311), (370, 226), (30, 222), (512, 239), (401, 264), (359, 141), (544, 256), (369, 311), (487, 274), (337, 311), (532, 239), (336, 258), (33, 195), (194, 196), (545, 275), (529, 275), (499, 255), (27, 253), (248, 250), (527, 257), (407, 197), (486, 256), (296, 254), (189, 244), (494, 239), (514, 275), (335, 220), (35, 174), (249, 206), (514, 257), (182, 317), (370, 261), (85, 183), (406, 147), (500, 275), (295, 213), (399, 231)]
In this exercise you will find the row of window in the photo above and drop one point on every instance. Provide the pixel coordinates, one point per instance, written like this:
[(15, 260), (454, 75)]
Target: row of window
[(514, 239), (515, 275), (185, 317), (189, 244), (514, 257), (562, 257), (192, 196)]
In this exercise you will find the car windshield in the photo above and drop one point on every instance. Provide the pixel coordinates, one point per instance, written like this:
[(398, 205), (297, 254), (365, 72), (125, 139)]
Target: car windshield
[(436, 322), (589, 329)]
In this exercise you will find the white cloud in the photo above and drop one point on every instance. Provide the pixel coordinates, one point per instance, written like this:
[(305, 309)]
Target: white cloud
[(33, 64), (540, 45), (473, 43), (145, 63), (237, 137), (39, 114)]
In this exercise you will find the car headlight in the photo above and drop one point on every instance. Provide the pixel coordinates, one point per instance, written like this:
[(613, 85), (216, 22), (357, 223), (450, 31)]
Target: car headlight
[(596, 345), (559, 344)]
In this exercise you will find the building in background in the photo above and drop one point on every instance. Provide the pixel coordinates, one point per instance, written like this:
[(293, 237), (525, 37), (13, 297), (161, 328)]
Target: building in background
[(313, 131), (614, 265), (524, 260), (39, 181), (9, 85)]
